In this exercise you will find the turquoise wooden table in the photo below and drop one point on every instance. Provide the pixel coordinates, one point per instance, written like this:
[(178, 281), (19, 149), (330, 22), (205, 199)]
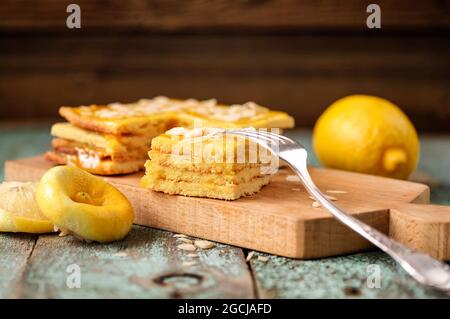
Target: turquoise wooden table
[(148, 265)]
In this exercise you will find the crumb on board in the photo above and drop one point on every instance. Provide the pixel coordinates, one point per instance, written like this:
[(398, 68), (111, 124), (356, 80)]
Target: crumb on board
[(250, 256), (292, 178), (332, 198), (263, 258), (63, 233), (189, 263), (204, 244), (180, 236), (187, 247), (185, 240), (335, 191), (316, 204)]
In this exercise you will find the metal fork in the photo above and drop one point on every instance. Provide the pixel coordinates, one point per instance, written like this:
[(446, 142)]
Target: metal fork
[(421, 267)]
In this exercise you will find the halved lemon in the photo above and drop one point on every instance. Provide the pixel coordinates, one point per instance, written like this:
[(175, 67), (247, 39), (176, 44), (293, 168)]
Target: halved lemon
[(19, 211), (84, 205)]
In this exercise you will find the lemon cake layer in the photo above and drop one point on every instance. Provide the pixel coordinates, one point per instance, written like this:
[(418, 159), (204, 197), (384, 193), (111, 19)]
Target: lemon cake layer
[(193, 146), (211, 190), (117, 133), (185, 163), (112, 144), (164, 113), (73, 148), (98, 153), (94, 164), (204, 176)]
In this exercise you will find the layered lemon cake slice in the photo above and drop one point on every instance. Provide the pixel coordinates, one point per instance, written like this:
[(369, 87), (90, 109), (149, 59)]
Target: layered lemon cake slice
[(194, 163), (115, 138), (161, 113), (103, 154)]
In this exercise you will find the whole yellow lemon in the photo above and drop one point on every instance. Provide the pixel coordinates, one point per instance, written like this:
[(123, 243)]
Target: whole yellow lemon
[(366, 134)]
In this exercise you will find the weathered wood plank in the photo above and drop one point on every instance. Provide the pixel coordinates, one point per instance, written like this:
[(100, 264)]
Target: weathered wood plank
[(163, 15), (333, 277), (351, 54), (344, 277), (285, 72), (146, 264), (15, 249), (340, 277)]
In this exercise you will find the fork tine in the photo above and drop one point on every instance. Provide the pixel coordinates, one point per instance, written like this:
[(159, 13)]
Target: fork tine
[(192, 140), (269, 141), (277, 136), (260, 140), (265, 139), (268, 135), (216, 134), (246, 133), (280, 138), (271, 137), (253, 134)]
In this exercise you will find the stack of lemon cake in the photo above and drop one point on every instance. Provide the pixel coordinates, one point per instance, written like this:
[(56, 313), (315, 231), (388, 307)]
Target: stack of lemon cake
[(115, 138), (197, 163)]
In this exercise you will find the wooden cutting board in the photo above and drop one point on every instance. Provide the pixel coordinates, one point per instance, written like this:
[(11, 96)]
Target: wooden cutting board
[(280, 219)]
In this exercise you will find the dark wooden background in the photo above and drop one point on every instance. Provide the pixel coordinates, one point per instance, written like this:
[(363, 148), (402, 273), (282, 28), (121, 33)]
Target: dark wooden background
[(293, 55)]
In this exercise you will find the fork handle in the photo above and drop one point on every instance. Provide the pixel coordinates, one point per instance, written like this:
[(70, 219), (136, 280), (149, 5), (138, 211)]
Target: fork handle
[(422, 267)]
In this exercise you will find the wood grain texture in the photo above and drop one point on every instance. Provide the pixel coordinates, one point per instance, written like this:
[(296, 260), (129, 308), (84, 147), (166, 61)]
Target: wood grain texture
[(15, 250), (167, 16), (299, 74), (147, 264), (280, 219), (431, 235)]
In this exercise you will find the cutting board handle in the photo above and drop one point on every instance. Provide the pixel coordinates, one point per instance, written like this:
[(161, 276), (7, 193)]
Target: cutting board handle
[(422, 227)]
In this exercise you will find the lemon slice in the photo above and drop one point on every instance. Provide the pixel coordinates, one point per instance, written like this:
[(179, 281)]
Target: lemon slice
[(19, 211)]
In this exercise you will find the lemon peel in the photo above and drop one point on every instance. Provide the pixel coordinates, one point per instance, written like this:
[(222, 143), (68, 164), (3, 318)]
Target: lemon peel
[(366, 134), (393, 158), (84, 205)]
